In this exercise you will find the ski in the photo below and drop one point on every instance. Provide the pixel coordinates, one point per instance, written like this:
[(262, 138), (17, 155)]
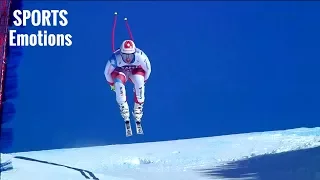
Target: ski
[(128, 128), (139, 129)]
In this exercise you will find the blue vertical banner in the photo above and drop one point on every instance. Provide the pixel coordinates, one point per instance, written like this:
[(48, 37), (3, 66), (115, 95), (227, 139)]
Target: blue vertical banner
[(217, 68), (10, 58)]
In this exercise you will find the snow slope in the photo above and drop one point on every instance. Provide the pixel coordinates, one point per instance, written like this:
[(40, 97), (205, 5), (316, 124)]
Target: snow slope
[(168, 160), (5, 162)]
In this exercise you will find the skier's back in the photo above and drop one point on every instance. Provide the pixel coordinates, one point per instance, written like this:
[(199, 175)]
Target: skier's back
[(128, 63)]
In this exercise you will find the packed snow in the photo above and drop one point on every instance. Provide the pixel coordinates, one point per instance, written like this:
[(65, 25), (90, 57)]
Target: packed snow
[(166, 160)]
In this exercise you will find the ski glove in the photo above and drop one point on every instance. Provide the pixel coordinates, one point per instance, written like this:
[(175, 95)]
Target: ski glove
[(112, 87)]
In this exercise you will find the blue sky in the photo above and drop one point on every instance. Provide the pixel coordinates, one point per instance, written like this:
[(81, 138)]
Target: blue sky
[(218, 68)]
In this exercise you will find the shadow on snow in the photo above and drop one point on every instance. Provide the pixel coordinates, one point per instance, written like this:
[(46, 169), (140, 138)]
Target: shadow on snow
[(292, 165), (87, 174)]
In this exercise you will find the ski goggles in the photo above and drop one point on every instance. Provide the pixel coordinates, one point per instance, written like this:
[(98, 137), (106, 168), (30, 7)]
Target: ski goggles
[(127, 57)]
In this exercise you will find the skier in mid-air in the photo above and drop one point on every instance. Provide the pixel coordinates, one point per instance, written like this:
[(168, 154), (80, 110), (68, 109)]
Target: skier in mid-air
[(128, 63)]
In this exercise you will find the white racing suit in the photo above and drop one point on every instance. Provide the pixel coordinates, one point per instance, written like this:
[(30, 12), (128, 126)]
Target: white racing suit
[(118, 72)]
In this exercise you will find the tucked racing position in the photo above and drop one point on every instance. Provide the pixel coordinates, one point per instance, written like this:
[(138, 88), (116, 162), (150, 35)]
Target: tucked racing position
[(128, 63)]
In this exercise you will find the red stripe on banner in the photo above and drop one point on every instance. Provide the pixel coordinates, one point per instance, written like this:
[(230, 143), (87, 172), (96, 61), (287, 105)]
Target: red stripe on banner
[(4, 20)]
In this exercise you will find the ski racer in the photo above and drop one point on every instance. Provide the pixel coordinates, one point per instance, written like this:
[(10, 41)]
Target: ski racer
[(128, 63)]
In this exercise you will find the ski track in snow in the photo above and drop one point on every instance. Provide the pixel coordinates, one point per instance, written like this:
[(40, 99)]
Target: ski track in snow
[(167, 160)]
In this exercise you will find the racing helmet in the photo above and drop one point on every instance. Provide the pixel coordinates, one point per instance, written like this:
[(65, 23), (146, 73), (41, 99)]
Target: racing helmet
[(127, 50)]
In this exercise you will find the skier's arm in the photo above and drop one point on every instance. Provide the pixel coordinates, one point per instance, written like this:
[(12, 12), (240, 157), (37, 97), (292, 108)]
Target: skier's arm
[(110, 66), (146, 66)]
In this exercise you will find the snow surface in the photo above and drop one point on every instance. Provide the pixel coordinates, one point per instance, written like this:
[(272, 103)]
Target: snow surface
[(167, 160), (5, 162)]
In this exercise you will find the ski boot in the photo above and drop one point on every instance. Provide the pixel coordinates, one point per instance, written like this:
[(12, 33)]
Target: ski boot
[(137, 112), (124, 111)]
